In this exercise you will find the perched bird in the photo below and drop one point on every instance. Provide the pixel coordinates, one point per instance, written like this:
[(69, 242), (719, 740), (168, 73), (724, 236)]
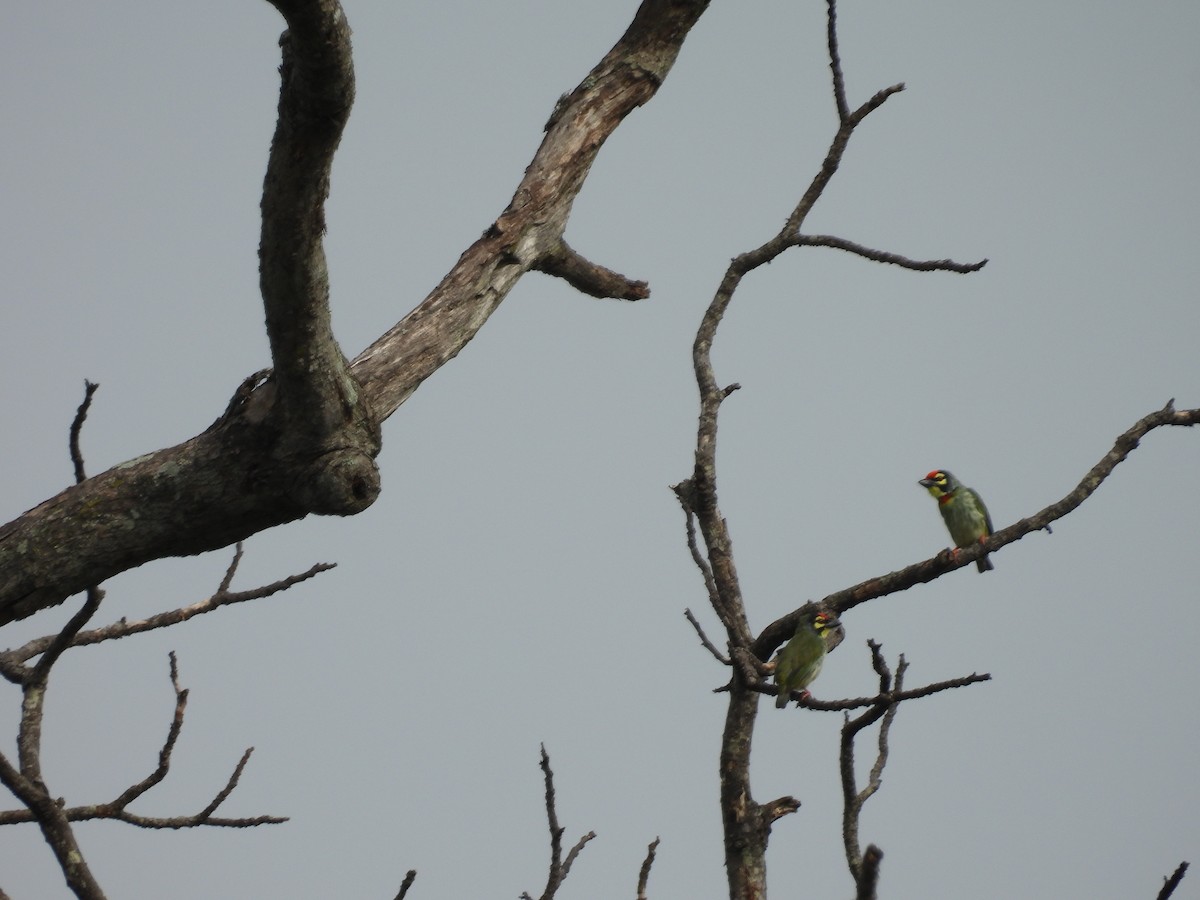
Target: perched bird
[(962, 510), (800, 660)]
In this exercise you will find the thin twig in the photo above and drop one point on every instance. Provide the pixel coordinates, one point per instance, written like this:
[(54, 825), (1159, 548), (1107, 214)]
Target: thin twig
[(65, 638), (124, 627), (683, 491), (875, 778), (882, 256), (238, 550), (134, 791), (708, 645), (206, 813), (835, 63), (860, 702), (77, 426)]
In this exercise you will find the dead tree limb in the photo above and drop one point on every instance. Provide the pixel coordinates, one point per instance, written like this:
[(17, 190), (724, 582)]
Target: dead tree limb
[(560, 867), (747, 823), (303, 438), (919, 573)]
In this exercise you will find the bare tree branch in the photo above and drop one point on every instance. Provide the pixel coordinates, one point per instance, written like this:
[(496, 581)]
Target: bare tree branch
[(409, 877), (77, 426), (891, 696), (708, 645), (305, 439), (746, 823), (1171, 883), (587, 277), (317, 91), (919, 573), (28, 787), (868, 882), (882, 256), (124, 627), (64, 638), (852, 798), (530, 230), (25, 780), (644, 873), (117, 809), (835, 62), (559, 867), (685, 492)]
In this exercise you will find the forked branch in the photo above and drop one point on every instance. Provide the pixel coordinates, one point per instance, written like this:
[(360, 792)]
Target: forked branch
[(118, 808), (746, 823), (560, 867)]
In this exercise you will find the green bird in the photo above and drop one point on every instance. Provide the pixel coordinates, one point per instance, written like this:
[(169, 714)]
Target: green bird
[(962, 510), (799, 662)]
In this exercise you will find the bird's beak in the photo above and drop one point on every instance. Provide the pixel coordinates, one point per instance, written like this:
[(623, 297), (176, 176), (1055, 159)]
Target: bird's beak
[(925, 482)]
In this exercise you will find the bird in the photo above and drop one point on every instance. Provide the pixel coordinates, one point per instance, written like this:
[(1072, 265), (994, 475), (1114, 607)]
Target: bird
[(800, 660), (962, 510)]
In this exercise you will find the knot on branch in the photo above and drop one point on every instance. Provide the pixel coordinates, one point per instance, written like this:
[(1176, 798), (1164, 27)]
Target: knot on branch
[(343, 483)]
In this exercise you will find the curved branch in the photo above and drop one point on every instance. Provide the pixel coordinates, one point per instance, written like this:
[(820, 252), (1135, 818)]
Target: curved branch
[(919, 573), (125, 627), (77, 426), (317, 91), (305, 440), (644, 872), (528, 233), (883, 256), (588, 277)]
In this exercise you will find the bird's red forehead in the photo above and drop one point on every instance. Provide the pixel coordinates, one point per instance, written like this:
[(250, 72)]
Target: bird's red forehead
[(934, 474)]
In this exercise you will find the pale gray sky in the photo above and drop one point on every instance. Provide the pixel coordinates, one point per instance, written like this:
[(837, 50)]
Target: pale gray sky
[(523, 575)]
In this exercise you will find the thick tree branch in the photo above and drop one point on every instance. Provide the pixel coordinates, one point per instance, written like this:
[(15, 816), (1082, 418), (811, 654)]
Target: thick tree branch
[(919, 573), (1171, 883), (529, 232), (304, 441), (409, 877), (588, 277), (868, 880), (313, 391)]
